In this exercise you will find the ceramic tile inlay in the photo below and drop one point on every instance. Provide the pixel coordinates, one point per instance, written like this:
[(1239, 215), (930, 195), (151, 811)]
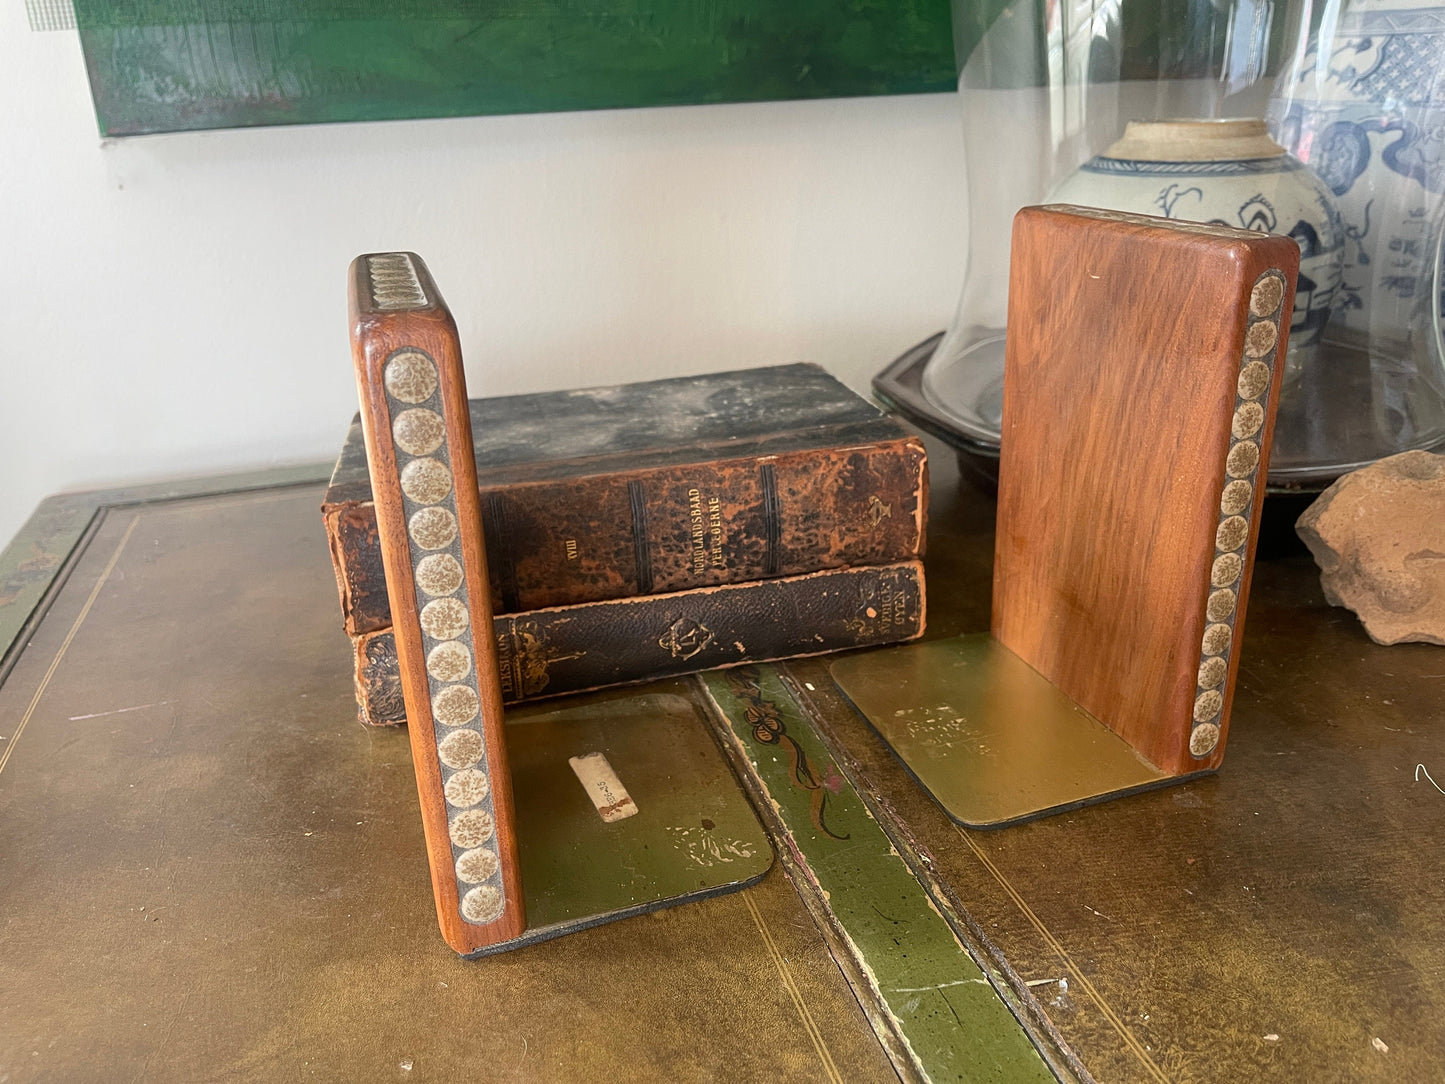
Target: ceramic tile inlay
[(1241, 464), (424, 468)]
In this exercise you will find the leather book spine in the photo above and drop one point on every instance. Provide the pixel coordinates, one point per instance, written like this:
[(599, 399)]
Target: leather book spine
[(570, 540), (568, 649)]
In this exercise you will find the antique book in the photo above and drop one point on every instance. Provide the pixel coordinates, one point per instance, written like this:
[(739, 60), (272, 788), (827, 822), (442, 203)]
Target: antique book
[(661, 486), (567, 649)]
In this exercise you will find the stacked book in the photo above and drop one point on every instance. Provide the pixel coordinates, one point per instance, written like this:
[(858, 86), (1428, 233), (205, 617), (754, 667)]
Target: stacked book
[(660, 528)]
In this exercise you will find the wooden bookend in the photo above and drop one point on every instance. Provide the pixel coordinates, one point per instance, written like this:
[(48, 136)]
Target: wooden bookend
[(1141, 372), (1143, 366), (424, 482)]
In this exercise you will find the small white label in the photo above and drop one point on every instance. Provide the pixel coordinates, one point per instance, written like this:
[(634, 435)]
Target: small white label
[(603, 787)]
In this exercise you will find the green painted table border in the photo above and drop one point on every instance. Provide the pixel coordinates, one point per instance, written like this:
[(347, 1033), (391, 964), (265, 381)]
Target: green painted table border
[(35, 562), (936, 1010)]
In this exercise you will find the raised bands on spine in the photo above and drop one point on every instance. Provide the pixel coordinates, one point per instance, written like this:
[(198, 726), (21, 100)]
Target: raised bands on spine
[(637, 498), (772, 521), (499, 548)]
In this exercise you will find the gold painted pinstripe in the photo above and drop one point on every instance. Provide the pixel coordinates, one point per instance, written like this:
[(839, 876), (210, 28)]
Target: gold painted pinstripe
[(810, 1025), (65, 645), (1129, 1038)]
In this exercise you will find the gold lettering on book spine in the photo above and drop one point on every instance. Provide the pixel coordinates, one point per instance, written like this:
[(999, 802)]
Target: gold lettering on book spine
[(715, 532), (697, 529)]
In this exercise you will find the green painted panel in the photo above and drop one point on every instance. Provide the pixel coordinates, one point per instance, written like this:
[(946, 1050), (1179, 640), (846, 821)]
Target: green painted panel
[(953, 1021), (166, 65)]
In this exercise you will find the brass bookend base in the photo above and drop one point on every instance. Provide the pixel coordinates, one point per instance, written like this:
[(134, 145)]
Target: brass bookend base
[(693, 834), (991, 739)]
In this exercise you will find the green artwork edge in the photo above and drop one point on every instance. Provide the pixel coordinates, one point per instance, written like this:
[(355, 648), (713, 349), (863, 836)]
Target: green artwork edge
[(168, 65)]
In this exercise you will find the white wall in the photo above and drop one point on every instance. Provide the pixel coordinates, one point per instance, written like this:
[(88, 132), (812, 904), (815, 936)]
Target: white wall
[(175, 304)]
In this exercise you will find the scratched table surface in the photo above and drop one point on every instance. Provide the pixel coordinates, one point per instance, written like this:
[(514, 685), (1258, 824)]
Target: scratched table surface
[(1283, 919), (209, 870)]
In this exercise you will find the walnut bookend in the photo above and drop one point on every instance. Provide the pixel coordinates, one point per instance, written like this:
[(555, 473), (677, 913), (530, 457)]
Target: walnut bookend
[(1142, 369), (521, 844), (424, 481)]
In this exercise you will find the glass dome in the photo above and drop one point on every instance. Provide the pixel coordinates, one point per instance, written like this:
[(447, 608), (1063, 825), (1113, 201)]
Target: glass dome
[(1161, 108)]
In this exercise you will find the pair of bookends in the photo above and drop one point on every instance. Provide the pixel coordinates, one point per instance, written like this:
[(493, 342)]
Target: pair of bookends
[(1143, 365), (572, 816)]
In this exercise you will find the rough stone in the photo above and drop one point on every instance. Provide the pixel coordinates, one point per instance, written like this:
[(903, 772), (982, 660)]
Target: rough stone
[(1378, 535)]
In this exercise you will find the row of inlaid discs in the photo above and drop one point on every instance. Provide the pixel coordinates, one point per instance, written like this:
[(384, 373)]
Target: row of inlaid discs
[(1241, 466), (418, 432)]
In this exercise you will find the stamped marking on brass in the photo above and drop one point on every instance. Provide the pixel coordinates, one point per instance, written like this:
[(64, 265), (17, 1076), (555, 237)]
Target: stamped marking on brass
[(416, 414), (1241, 466), (707, 848)]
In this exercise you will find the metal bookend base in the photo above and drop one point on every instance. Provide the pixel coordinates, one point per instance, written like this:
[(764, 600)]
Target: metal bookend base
[(693, 835), (990, 738)]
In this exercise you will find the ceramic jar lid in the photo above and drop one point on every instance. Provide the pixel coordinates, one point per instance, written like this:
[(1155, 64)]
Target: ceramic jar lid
[(1195, 141)]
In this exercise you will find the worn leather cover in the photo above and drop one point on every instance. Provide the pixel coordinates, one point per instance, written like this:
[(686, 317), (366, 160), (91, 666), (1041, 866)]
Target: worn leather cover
[(568, 649), (661, 486)]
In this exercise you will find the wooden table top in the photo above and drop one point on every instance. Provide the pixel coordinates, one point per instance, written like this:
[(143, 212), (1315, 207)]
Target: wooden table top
[(208, 870)]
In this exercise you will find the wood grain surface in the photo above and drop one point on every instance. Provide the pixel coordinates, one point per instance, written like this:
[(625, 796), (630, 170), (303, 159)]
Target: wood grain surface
[(409, 375), (1131, 348)]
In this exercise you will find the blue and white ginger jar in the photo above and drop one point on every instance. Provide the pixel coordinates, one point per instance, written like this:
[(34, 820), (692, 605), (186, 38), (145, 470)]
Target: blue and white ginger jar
[(1228, 173), (1364, 105)]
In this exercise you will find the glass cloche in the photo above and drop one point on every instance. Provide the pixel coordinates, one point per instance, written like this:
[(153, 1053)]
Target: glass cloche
[(1324, 122)]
